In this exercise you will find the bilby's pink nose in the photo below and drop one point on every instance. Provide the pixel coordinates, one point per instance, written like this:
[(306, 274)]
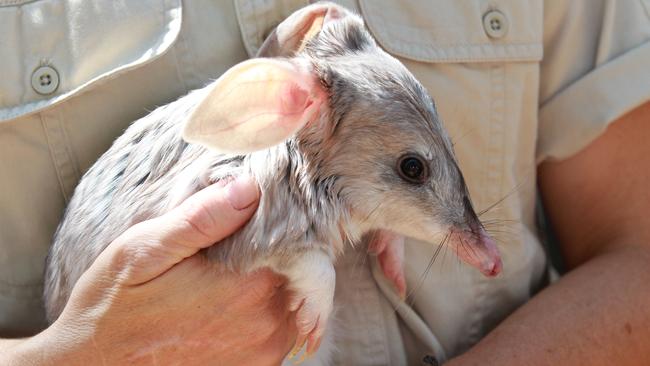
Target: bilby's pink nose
[(477, 249)]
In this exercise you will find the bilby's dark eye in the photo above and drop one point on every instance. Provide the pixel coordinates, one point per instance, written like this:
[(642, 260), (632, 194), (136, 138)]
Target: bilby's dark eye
[(412, 169)]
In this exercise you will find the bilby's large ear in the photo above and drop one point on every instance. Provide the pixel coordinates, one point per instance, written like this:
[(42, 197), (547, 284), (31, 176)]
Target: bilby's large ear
[(254, 105), (290, 36)]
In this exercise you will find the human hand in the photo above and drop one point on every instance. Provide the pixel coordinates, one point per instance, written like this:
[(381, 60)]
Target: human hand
[(150, 298)]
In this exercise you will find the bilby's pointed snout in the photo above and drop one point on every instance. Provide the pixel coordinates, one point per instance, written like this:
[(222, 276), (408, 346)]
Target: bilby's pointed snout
[(478, 249)]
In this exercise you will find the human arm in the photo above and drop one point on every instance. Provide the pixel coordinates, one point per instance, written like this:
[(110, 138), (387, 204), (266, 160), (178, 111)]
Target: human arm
[(150, 297), (597, 314)]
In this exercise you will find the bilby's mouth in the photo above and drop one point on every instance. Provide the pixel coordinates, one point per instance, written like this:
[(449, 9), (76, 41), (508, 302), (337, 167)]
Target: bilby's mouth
[(477, 249)]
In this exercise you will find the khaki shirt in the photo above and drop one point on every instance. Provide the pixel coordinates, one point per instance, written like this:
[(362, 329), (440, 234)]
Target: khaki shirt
[(516, 83)]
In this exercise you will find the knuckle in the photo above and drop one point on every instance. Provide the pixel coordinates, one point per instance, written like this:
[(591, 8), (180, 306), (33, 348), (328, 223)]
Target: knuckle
[(125, 251), (260, 294), (198, 217), (263, 286), (126, 256), (132, 249)]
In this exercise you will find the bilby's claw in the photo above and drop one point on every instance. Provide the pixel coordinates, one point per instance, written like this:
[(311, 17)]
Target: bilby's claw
[(310, 333), (297, 347), (313, 346), (305, 356)]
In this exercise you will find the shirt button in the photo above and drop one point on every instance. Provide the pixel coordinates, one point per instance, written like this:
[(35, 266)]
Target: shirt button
[(429, 360), (45, 80), (495, 24)]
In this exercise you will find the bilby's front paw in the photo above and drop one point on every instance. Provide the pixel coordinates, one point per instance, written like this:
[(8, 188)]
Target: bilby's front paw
[(312, 279), (389, 248), (312, 313)]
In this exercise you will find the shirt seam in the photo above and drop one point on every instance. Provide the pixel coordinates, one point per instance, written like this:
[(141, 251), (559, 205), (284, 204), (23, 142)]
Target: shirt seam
[(181, 43), (50, 146), (493, 175), (72, 157), (646, 6), (7, 3)]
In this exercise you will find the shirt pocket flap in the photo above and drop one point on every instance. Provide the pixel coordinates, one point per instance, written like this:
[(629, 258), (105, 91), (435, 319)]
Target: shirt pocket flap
[(457, 31), (83, 42)]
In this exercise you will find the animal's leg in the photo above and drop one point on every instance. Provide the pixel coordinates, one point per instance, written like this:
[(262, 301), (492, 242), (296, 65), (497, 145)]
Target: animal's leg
[(311, 279), (389, 248)]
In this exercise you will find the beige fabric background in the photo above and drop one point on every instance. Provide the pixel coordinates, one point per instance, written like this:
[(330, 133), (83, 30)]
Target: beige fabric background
[(562, 72)]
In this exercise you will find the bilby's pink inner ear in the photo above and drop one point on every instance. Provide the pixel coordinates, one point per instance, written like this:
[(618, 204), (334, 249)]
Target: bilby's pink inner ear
[(254, 105)]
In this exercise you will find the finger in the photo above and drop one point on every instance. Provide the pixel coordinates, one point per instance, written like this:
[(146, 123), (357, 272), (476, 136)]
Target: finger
[(152, 247), (210, 215)]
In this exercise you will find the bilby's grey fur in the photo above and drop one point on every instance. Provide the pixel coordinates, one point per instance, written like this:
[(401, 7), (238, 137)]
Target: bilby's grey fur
[(325, 186)]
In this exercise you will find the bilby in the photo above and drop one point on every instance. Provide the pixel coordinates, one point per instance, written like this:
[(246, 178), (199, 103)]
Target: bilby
[(342, 140)]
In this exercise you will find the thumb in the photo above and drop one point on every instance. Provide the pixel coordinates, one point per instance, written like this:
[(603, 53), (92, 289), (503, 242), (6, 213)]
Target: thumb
[(152, 247)]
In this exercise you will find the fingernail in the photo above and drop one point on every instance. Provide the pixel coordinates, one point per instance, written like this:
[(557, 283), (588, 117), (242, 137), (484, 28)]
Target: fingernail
[(242, 192)]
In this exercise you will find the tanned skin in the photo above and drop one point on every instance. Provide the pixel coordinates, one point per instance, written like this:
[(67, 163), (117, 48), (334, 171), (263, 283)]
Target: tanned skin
[(598, 202)]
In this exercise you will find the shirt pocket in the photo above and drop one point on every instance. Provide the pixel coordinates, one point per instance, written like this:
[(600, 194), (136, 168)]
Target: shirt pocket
[(479, 59), (257, 18), (465, 50), (53, 50), (457, 31)]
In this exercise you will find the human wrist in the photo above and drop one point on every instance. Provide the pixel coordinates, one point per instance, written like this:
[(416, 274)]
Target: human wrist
[(8, 348), (50, 347), (22, 352)]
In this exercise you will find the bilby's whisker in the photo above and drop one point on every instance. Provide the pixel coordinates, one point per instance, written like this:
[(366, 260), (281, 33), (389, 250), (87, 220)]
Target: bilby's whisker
[(412, 291), (508, 195)]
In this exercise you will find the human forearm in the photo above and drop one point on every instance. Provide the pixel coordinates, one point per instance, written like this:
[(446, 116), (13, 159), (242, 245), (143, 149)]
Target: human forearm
[(596, 315)]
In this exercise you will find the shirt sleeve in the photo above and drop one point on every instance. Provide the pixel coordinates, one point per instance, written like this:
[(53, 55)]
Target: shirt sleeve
[(596, 68)]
